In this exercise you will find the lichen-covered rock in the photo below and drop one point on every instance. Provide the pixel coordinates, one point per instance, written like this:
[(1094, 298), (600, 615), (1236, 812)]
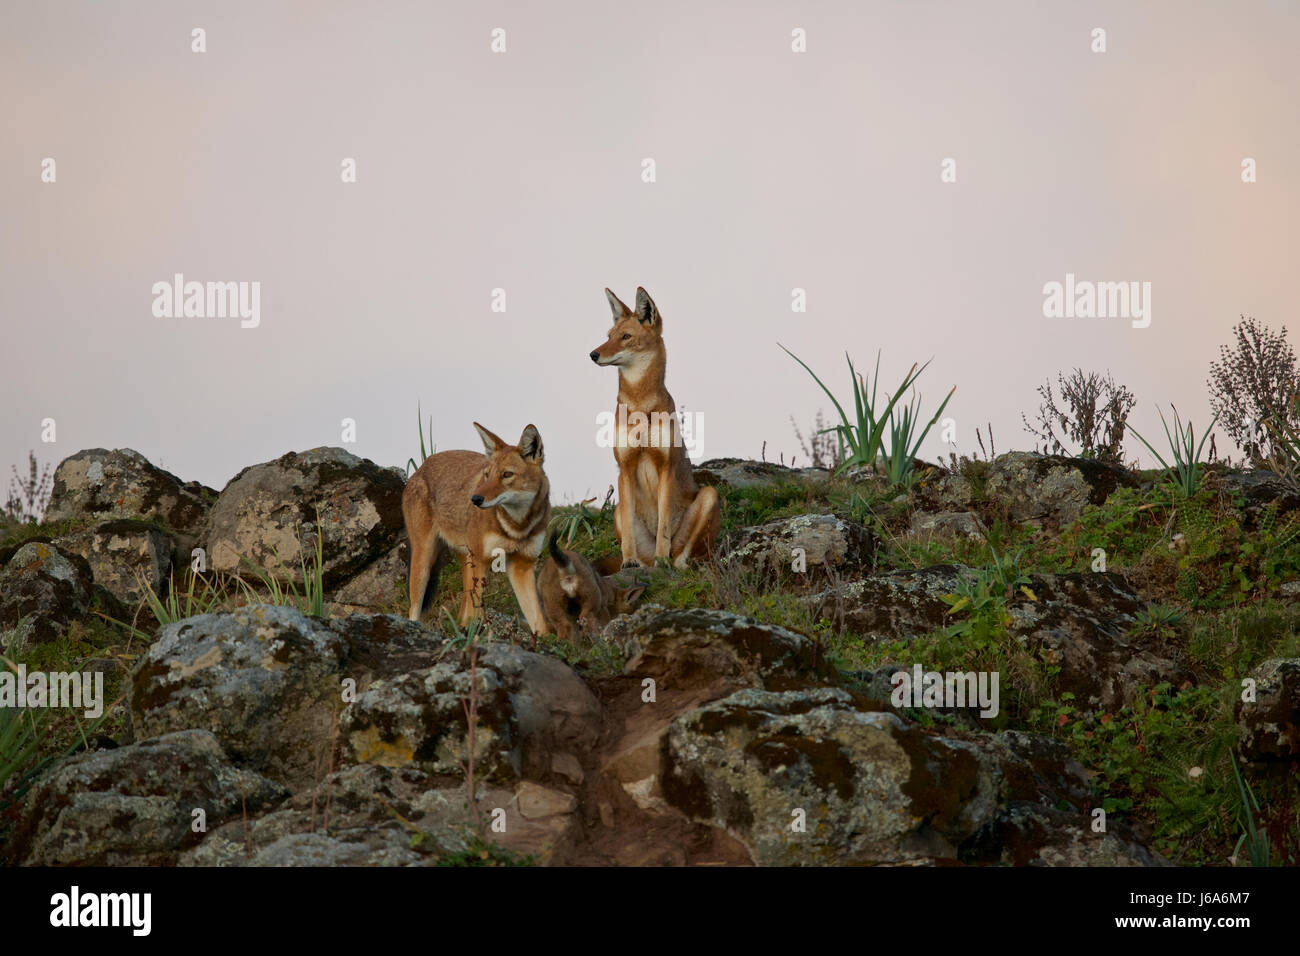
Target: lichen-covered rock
[(267, 514), (134, 804), (688, 649), (803, 777), (1079, 622), (1256, 492), (746, 473), (265, 680), (948, 524), (813, 777), (530, 708), (791, 547), (381, 585), (127, 557), (363, 829), (1269, 727), (124, 484), (1035, 487), (1030, 834), (896, 605), (42, 590)]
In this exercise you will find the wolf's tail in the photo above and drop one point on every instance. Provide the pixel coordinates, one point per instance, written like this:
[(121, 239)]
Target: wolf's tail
[(560, 558)]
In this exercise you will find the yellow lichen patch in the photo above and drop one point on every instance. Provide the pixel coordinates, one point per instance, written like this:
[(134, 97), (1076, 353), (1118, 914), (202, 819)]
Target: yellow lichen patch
[(181, 671), (372, 749)]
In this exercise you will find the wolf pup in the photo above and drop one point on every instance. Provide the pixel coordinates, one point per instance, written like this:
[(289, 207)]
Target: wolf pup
[(575, 596), (474, 504), (661, 512)]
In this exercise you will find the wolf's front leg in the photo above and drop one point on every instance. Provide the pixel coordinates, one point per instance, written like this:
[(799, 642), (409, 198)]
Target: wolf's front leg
[(520, 571), (625, 513), (663, 530)]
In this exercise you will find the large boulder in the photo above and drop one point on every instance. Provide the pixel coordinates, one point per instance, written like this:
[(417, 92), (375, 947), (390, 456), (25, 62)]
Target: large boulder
[(690, 657), (813, 777), (683, 650), (382, 816), (134, 804), (42, 590), (534, 715), (97, 483), (267, 514), (1033, 487), (893, 606), (1269, 726), (127, 557), (291, 695), (790, 547), (265, 680)]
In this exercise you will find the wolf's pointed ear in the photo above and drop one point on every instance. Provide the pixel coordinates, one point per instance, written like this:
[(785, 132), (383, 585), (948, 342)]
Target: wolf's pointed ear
[(530, 444), (491, 443), (646, 310), (616, 305)]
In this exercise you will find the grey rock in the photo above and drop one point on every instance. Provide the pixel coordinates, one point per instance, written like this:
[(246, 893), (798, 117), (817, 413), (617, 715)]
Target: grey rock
[(1269, 727), (868, 788), (1029, 834), (265, 680), (746, 473), (134, 804), (42, 590), (267, 514), (948, 524), (819, 541), (127, 557), (1033, 487), (124, 484), (380, 586)]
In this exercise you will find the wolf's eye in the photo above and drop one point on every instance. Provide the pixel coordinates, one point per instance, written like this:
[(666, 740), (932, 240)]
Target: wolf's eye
[(626, 336), (507, 474)]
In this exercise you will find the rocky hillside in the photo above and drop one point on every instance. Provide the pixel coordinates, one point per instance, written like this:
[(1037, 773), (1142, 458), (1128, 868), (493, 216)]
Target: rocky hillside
[(1137, 645)]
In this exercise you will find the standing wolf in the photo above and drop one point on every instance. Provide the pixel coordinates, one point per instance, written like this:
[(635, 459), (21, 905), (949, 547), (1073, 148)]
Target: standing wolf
[(475, 504), (662, 514)]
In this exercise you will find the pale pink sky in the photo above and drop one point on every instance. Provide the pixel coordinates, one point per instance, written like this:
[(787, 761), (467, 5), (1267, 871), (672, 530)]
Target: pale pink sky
[(522, 171)]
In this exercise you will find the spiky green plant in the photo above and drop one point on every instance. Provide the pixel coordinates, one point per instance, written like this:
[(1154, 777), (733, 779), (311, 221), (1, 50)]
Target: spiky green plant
[(862, 439), (1185, 473), (905, 439), (1254, 839), (19, 739), (568, 525), (411, 463), (178, 605), (1156, 619)]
